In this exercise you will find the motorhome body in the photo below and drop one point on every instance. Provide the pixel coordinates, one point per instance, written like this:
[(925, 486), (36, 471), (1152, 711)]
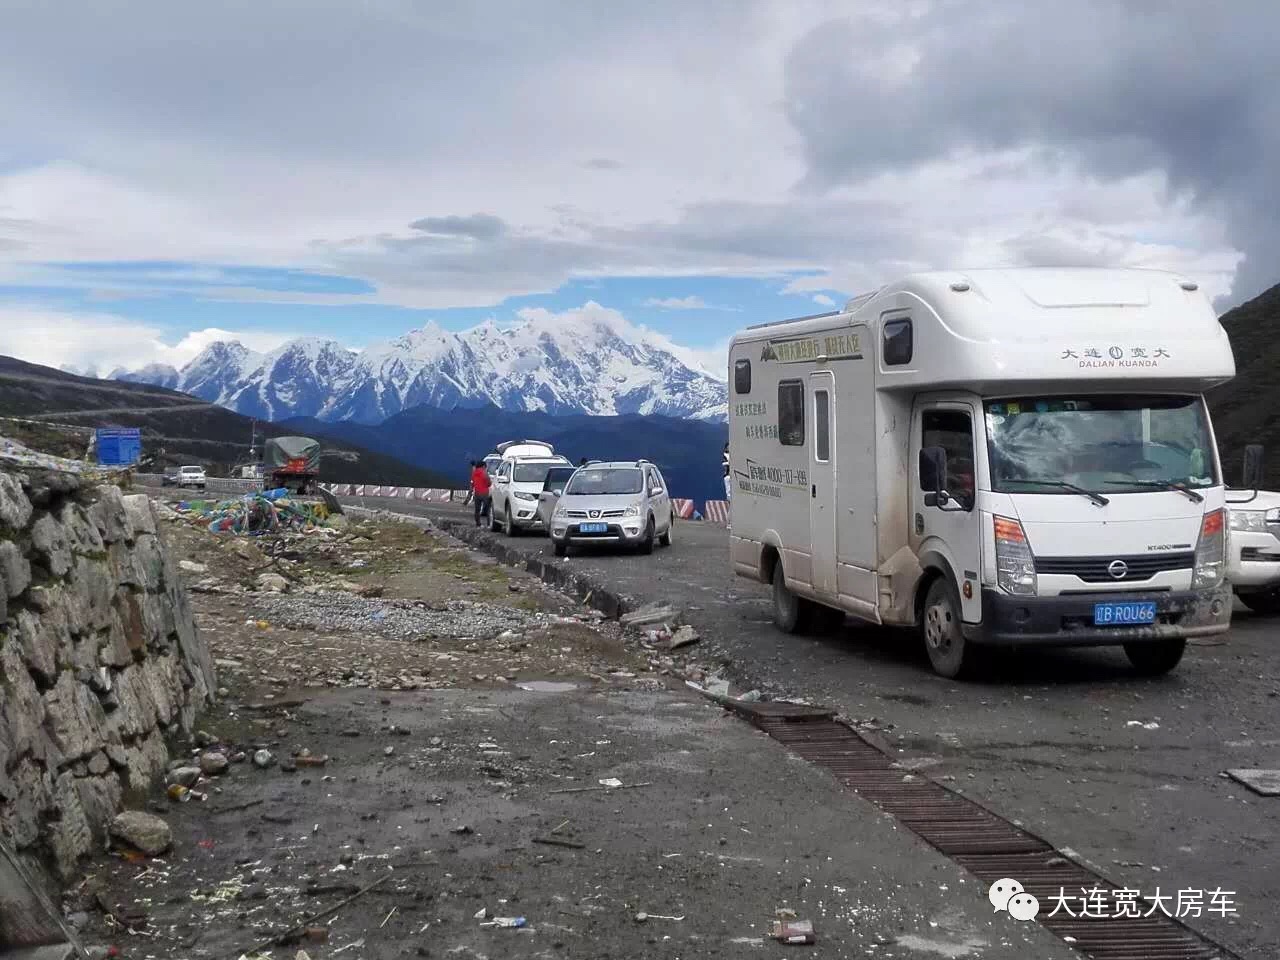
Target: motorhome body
[(998, 457)]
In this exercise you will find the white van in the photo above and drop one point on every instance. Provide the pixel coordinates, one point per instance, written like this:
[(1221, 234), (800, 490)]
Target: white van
[(1000, 457)]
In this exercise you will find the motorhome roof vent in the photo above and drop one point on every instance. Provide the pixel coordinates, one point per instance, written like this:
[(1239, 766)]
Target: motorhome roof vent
[(1189, 285)]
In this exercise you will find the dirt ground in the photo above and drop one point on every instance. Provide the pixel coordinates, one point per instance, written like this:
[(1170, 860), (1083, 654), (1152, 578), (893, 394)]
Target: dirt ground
[(418, 753)]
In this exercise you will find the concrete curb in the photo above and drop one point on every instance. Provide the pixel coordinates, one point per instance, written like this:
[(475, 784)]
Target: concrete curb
[(589, 590)]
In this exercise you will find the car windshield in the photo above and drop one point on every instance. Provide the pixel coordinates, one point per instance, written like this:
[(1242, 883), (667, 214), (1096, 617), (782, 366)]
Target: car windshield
[(1109, 444), (590, 482), (531, 472), (557, 477)]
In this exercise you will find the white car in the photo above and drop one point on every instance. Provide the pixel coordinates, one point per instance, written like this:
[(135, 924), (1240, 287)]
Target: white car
[(192, 477), (1253, 564), (517, 485)]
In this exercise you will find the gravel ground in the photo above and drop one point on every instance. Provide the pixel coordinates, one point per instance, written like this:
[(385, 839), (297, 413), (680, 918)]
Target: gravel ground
[(397, 619)]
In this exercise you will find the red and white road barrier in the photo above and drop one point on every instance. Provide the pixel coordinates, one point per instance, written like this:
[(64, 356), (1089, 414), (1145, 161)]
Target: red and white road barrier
[(684, 508), (716, 511)]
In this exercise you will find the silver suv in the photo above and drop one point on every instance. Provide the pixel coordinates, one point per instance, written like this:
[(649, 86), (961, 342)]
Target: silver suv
[(623, 502)]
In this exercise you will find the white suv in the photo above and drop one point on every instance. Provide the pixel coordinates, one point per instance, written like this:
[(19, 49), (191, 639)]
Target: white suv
[(517, 484), (191, 477)]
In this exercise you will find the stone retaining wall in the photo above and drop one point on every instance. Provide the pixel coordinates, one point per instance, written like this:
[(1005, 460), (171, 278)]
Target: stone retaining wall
[(99, 661)]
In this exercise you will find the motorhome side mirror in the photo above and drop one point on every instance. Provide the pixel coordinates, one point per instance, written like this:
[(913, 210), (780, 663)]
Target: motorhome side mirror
[(1252, 467), (933, 470)]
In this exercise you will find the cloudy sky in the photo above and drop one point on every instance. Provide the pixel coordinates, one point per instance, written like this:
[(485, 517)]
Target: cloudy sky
[(175, 173)]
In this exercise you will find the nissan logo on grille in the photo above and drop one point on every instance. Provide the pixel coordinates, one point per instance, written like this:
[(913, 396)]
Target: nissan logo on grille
[(596, 513), (1118, 569)]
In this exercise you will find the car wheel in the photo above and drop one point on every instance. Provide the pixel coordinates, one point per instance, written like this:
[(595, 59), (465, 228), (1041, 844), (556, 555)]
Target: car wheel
[(666, 538), (560, 549), (943, 636), (493, 517), (1155, 657), (790, 613), (509, 527), (646, 545)]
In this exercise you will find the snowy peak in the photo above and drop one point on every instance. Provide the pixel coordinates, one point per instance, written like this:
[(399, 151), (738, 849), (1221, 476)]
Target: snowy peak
[(589, 360)]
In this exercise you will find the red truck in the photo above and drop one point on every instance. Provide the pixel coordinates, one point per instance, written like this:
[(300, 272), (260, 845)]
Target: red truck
[(292, 462)]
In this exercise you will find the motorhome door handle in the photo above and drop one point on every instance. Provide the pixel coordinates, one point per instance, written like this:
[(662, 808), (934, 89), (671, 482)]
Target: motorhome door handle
[(813, 491)]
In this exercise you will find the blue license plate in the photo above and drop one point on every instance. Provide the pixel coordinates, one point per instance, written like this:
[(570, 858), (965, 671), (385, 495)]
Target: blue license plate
[(593, 528), (1123, 614)]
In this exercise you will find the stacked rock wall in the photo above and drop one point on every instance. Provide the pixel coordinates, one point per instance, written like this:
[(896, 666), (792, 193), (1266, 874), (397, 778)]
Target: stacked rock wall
[(99, 661)]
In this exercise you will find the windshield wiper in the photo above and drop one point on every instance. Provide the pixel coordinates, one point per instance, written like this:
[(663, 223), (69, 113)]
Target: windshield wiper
[(1097, 498), (1161, 485)]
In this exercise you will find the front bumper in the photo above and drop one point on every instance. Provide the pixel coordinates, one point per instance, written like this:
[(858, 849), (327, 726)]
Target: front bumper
[(1067, 620), (624, 530), (1255, 561)]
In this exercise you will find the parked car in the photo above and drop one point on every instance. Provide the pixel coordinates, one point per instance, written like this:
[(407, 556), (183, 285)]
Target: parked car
[(1253, 560), (552, 488), (192, 477), (516, 486), (619, 502), (169, 478)]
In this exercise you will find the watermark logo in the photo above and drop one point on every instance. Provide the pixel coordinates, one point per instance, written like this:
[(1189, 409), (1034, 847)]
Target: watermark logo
[(1008, 895), (1096, 903)]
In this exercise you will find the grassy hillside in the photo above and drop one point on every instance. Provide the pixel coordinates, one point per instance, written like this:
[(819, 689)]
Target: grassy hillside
[(176, 428), (1244, 410)]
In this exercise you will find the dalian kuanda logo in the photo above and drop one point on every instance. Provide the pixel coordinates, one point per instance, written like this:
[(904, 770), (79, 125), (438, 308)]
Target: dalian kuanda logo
[(1008, 895)]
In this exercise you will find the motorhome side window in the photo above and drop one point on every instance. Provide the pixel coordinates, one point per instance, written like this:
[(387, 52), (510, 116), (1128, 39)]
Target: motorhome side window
[(895, 342), (742, 376), (952, 430), (791, 413)]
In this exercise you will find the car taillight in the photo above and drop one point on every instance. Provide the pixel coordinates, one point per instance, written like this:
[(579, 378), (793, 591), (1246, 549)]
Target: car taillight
[(1211, 551), (1015, 563)]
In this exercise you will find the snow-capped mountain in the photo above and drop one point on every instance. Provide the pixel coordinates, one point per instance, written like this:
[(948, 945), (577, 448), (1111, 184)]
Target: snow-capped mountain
[(585, 361), (156, 374)]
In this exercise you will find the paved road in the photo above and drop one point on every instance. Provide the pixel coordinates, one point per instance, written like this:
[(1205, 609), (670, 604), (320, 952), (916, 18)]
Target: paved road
[(1045, 738)]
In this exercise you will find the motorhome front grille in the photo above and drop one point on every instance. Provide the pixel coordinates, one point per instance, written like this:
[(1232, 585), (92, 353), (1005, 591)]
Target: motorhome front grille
[(1115, 569)]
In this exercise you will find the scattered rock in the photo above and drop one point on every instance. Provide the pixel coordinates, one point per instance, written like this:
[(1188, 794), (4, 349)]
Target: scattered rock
[(263, 759), (683, 637), (388, 751), (650, 613), (143, 831), (184, 776), (190, 566), (212, 764), (272, 583)]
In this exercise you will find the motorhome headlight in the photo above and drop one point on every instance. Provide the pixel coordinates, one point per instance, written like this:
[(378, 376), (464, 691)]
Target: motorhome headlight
[(1252, 521), (631, 511), (1211, 551), (1015, 563)]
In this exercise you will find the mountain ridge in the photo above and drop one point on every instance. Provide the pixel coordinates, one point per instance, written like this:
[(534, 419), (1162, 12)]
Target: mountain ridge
[(586, 361)]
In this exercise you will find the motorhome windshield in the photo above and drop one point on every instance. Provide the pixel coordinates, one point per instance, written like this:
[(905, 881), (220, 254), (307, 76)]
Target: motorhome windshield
[(1105, 444), (617, 480)]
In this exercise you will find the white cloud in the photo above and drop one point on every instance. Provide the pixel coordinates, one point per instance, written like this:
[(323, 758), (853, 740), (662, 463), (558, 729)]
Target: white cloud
[(242, 166), (823, 300), (105, 341), (677, 303)]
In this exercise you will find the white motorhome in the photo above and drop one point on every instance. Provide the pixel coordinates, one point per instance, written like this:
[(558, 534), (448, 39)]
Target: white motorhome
[(997, 457)]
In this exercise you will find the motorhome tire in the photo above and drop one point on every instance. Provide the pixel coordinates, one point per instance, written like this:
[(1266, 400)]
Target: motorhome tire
[(665, 539), (1266, 604), (790, 613), (646, 545), (1153, 658), (943, 636)]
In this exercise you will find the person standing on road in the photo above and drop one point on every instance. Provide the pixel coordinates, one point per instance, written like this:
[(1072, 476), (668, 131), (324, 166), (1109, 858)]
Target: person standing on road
[(728, 482), (480, 489)]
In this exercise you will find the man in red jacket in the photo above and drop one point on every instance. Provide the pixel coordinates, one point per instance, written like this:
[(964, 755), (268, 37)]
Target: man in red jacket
[(480, 490)]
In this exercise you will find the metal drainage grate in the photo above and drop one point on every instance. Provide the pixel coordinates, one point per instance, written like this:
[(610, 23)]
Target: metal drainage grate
[(986, 845)]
